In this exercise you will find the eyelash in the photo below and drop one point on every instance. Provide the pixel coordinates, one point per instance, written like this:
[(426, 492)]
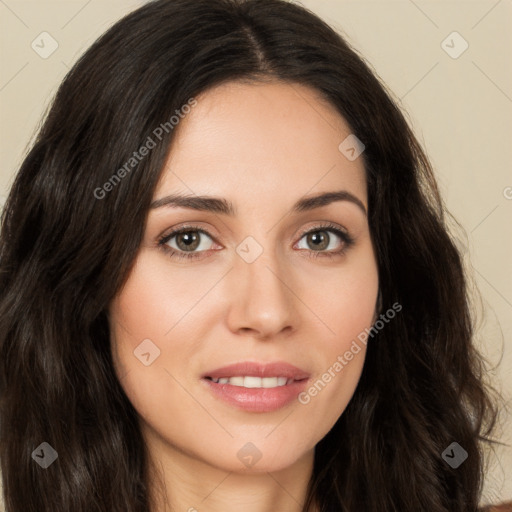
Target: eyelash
[(347, 240)]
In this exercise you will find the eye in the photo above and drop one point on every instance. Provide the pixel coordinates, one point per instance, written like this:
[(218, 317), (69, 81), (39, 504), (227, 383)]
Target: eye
[(185, 242), (190, 242), (321, 239)]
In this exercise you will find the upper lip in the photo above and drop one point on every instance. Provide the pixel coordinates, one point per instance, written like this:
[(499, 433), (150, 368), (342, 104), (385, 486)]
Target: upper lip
[(255, 369)]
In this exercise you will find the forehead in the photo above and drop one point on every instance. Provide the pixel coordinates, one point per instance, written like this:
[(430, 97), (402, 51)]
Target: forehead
[(264, 140)]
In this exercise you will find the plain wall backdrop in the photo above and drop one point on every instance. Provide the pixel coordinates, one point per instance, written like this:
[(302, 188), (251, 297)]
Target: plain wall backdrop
[(448, 64)]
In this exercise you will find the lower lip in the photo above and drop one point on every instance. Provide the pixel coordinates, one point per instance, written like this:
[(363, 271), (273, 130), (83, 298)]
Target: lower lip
[(257, 399)]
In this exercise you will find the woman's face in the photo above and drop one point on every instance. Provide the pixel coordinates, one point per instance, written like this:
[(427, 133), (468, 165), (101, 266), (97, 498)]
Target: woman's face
[(265, 283)]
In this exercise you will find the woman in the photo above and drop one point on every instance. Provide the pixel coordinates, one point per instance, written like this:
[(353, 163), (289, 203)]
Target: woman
[(226, 282)]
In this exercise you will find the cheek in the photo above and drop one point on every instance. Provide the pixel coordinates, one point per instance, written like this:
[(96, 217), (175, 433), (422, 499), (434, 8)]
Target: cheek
[(156, 302), (333, 386), (347, 308), (146, 317), (142, 318), (344, 298)]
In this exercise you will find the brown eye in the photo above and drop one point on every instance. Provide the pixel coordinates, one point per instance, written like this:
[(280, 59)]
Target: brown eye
[(188, 241), (318, 240), (323, 239)]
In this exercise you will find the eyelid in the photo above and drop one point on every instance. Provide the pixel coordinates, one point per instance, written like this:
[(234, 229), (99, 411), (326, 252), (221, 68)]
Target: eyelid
[(323, 225), (183, 229)]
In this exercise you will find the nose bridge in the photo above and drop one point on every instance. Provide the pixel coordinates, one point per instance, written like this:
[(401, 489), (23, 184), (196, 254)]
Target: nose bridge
[(261, 299)]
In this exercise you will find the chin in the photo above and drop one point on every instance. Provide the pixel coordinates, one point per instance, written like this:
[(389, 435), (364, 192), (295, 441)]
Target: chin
[(253, 457)]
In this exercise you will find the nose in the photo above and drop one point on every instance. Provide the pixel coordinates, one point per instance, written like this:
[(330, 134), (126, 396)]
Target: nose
[(263, 302)]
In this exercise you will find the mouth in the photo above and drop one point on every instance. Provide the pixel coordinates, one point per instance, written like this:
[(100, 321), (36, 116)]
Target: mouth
[(256, 387)]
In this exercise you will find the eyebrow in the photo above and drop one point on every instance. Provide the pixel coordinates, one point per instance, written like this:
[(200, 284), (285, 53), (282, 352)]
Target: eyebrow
[(223, 206)]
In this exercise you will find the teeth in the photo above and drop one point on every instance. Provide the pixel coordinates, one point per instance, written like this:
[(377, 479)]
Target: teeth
[(234, 381), (254, 382)]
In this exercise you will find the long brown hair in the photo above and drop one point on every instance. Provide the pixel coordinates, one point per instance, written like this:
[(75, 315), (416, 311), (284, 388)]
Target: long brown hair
[(65, 253)]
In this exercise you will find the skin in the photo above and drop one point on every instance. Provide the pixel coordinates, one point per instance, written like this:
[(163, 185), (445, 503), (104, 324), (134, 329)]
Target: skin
[(263, 147)]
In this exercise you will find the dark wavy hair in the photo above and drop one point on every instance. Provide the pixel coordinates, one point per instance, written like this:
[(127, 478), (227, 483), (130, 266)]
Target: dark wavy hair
[(65, 254)]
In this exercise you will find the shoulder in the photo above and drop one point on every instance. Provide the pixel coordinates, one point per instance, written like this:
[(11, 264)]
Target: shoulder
[(504, 507)]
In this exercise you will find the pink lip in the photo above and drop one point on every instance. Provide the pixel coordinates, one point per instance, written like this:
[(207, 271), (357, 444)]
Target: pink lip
[(257, 399), (277, 369)]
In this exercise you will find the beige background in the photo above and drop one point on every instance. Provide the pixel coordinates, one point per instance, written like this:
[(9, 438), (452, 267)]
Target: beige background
[(460, 108)]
